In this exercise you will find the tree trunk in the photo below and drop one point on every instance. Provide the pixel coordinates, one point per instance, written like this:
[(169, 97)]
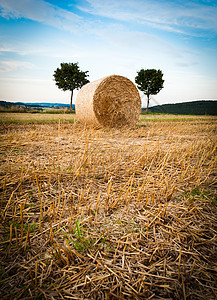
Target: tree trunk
[(71, 100), (148, 97)]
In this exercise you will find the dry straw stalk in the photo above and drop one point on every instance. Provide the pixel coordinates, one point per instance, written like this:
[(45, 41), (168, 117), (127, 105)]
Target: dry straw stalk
[(108, 214), (112, 101)]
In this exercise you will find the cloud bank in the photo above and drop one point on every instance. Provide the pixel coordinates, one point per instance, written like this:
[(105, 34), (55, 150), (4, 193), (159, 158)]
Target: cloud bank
[(187, 17), (40, 11)]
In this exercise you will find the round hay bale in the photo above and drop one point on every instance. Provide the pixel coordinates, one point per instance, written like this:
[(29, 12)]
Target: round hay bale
[(112, 101)]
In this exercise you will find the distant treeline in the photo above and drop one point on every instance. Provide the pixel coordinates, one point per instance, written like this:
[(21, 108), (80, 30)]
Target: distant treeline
[(208, 107), (6, 106), (203, 107), (18, 107)]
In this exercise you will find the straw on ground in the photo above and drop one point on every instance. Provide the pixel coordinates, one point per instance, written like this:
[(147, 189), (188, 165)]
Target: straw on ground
[(109, 214)]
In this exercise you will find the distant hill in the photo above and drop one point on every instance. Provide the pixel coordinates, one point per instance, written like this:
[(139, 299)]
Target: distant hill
[(203, 107), (56, 105), (39, 106)]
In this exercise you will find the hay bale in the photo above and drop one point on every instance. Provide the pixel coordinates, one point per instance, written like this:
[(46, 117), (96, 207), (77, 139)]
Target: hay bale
[(112, 101)]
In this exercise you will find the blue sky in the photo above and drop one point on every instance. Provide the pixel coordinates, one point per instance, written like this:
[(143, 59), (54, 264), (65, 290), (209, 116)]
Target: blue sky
[(108, 37)]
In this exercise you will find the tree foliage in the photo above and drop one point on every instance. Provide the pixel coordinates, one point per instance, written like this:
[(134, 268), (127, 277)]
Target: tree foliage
[(70, 77), (150, 82)]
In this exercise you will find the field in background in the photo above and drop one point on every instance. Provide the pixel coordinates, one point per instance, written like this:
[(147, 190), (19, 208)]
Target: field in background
[(35, 118), (69, 118), (108, 214)]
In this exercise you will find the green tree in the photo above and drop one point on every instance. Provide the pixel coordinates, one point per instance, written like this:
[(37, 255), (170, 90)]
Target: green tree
[(150, 82), (70, 77)]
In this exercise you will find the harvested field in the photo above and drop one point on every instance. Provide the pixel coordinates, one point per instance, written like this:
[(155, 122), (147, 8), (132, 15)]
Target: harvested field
[(109, 214), (35, 118)]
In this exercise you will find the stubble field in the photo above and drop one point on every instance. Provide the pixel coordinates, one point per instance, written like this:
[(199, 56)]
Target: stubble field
[(108, 214)]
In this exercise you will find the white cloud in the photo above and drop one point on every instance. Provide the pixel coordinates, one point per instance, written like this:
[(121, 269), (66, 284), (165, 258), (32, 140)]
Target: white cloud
[(120, 44), (11, 65), (184, 16), (33, 90), (21, 48), (138, 42), (40, 11), (138, 49)]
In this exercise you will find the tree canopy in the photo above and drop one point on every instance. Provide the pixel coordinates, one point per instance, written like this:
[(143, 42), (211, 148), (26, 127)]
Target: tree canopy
[(70, 77), (150, 82)]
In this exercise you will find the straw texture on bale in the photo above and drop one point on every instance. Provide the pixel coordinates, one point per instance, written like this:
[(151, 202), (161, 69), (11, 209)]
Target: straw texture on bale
[(112, 101)]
